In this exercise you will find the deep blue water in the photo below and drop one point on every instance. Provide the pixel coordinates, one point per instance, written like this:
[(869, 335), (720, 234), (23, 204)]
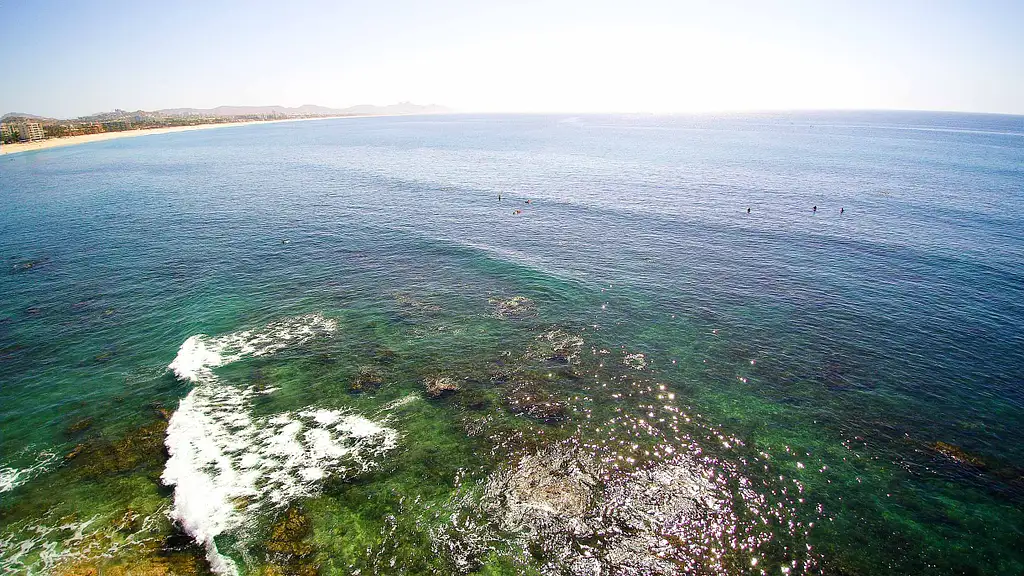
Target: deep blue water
[(873, 355)]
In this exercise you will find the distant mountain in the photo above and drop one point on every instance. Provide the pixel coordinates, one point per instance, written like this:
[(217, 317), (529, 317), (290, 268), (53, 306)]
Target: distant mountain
[(306, 110), (234, 111), (20, 115)]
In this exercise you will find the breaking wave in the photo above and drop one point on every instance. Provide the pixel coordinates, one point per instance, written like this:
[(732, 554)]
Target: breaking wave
[(227, 464)]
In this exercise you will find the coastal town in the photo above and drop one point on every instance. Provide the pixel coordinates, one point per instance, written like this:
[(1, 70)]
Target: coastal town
[(15, 128), (26, 132)]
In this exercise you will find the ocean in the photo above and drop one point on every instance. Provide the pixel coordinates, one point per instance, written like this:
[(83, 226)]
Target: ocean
[(518, 344)]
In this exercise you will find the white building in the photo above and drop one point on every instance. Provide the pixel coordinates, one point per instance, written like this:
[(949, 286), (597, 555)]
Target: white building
[(30, 131)]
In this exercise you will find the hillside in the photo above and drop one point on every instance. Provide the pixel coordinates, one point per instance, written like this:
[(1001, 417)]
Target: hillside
[(238, 111)]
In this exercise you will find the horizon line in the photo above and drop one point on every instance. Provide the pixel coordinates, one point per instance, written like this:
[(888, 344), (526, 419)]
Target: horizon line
[(455, 111)]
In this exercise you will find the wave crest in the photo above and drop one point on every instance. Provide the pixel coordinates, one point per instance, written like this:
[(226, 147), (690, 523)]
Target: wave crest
[(226, 464)]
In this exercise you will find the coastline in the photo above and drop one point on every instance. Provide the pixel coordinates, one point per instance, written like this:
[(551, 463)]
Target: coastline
[(19, 147)]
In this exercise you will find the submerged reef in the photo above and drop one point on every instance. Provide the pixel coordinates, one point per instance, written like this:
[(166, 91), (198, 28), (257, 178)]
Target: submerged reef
[(957, 454), (533, 399), (440, 385), (513, 308), (369, 379), (289, 552), (141, 448)]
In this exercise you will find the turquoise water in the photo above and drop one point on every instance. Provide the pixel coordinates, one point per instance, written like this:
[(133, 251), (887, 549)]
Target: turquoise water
[(322, 347)]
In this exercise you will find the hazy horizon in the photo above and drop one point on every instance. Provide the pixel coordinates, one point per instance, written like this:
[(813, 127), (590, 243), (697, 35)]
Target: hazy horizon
[(708, 113), (564, 57)]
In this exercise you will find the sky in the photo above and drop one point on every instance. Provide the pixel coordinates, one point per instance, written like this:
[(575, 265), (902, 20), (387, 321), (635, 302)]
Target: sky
[(69, 58)]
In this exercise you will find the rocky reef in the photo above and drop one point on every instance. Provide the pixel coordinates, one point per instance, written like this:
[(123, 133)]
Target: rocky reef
[(513, 308), (288, 551), (140, 448), (532, 398), (957, 454), (647, 521), (440, 385), (369, 379)]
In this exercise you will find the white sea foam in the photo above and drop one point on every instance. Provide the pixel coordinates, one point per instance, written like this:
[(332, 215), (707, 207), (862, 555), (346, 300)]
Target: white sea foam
[(38, 546), (226, 464), (11, 476), (401, 402), (200, 354), (194, 359)]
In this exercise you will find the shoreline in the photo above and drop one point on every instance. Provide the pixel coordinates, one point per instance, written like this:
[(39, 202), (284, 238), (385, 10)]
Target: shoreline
[(19, 147)]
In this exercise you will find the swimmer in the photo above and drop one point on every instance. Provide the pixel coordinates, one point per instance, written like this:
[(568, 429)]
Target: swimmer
[(499, 197), (815, 209), (748, 210), (841, 210)]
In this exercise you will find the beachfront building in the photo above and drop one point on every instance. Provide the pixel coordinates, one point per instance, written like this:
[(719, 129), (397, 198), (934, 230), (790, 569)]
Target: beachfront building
[(7, 131), (30, 131)]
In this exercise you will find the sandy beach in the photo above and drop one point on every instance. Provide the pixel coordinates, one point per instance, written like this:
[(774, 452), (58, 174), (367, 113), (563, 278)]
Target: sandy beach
[(86, 138)]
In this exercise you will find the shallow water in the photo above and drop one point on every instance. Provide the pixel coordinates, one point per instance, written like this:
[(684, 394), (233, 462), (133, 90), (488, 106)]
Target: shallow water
[(328, 347)]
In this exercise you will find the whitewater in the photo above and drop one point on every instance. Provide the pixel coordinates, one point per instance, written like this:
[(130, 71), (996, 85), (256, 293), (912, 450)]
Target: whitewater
[(227, 465)]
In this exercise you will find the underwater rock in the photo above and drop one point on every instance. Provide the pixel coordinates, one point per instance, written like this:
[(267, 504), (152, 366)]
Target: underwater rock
[(83, 304), (833, 374), (413, 303), (957, 454), (9, 351), (553, 483), (163, 413), (74, 452), (78, 427), (439, 386), (549, 492), (134, 548), (79, 570), (300, 569), (384, 355), (141, 447), (153, 565), (635, 361), (368, 380), (288, 552), (288, 534), (326, 359), (474, 400), (578, 520), (556, 346), (130, 522), (514, 308), (532, 400), (26, 265), (176, 565)]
